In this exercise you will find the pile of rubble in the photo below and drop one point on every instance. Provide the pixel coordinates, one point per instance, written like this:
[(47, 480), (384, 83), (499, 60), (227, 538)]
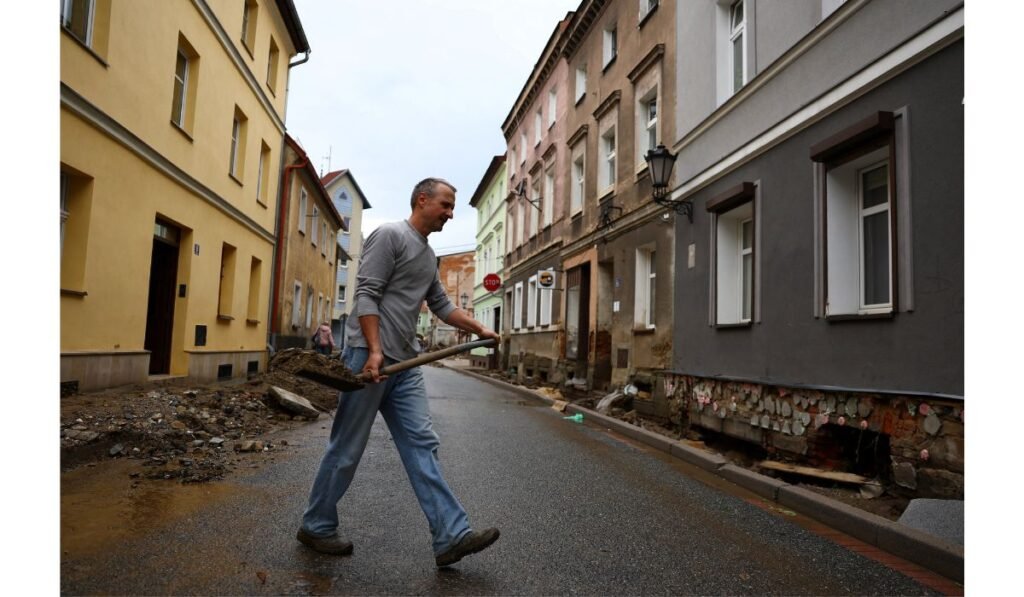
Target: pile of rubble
[(187, 431)]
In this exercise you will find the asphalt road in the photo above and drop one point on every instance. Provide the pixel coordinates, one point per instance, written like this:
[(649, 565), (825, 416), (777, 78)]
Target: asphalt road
[(581, 511)]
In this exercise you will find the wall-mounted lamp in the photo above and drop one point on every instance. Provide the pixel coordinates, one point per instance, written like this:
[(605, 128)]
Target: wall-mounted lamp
[(521, 192), (606, 215), (660, 162), (465, 300)]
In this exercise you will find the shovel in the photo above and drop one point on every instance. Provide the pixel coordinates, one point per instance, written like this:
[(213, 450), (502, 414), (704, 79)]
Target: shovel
[(347, 381)]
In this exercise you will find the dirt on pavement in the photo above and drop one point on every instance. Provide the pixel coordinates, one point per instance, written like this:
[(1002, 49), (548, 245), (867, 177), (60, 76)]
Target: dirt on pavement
[(183, 430)]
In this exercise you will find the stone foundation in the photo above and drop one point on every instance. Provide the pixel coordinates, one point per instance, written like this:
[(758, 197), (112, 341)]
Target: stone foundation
[(915, 443), (95, 371)]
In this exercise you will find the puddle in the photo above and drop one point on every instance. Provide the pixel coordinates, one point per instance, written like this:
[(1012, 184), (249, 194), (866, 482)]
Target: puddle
[(314, 584), (99, 506)]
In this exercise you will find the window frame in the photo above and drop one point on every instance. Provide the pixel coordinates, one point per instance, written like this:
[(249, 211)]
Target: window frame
[(737, 31), (180, 90), (67, 15), (273, 63), (552, 106), (517, 306), (531, 302), (581, 77), (296, 304), (538, 126), (645, 288), (545, 298), (303, 204), (607, 166), (548, 197), (578, 182), (314, 225), (535, 192), (609, 46), (250, 16), (729, 210)]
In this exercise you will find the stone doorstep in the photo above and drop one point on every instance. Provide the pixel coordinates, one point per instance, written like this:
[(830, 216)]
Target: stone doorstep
[(906, 542)]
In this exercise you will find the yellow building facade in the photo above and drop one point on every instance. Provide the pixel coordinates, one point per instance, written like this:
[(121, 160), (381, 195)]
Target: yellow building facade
[(172, 128)]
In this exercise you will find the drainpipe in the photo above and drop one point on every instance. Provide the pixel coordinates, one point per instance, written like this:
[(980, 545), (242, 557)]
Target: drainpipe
[(288, 81), (275, 317)]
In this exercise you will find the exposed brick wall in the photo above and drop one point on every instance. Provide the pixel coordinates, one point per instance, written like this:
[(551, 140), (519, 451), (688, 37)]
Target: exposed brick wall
[(917, 443)]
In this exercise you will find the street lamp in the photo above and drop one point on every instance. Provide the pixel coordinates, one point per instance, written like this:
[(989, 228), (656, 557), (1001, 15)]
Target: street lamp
[(465, 300), (660, 162)]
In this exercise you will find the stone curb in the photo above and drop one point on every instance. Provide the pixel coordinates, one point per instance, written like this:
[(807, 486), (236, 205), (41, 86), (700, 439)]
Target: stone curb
[(911, 544)]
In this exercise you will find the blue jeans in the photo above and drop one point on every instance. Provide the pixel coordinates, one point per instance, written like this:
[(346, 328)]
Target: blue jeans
[(402, 400)]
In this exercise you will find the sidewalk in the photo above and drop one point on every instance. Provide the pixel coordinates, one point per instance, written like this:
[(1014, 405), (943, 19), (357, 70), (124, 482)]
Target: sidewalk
[(926, 549)]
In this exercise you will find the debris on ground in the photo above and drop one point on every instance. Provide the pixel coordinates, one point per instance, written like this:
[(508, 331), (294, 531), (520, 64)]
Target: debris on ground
[(316, 367), (188, 431)]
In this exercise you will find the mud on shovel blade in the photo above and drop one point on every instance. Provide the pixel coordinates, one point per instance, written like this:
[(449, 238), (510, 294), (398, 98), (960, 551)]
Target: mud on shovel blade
[(347, 380)]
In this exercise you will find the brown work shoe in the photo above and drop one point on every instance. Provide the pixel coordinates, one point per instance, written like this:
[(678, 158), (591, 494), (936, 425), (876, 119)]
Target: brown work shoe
[(333, 545), (470, 544)]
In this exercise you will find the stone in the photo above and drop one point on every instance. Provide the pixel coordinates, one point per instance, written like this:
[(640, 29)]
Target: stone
[(940, 483), (905, 475), (787, 409), (805, 418), (830, 404), (789, 443), (293, 403), (871, 490), (216, 441), (932, 424), (798, 428), (245, 446), (765, 421), (851, 407), (864, 407), (180, 426), (786, 428), (116, 449), (153, 394), (755, 421), (198, 443), (769, 405)]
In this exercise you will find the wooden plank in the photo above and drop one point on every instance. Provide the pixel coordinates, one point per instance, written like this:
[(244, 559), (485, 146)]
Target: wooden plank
[(812, 472)]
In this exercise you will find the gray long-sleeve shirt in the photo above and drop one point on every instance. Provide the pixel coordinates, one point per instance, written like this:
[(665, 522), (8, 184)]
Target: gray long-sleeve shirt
[(397, 272)]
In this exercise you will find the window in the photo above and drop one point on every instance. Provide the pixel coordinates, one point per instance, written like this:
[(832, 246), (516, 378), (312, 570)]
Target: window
[(734, 265), (646, 6), (538, 119), (180, 86), (534, 207), (302, 210), (343, 261), (77, 18), (75, 210), (64, 184), (546, 300), (255, 278), (512, 162), (521, 221), (309, 308), (297, 305), (606, 168), (263, 176), (738, 43), (547, 207), (522, 143), (238, 131), (643, 296), (517, 307), (578, 177), (249, 13), (225, 295), (573, 281), (646, 126), (348, 224), (320, 307), (323, 235), (313, 225), (531, 302), (581, 83), (860, 235), (610, 47), (341, 294), (273, 57), (552, 107)]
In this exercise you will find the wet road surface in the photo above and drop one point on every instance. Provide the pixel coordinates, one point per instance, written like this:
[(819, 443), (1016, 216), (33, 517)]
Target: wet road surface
[(581, 511)]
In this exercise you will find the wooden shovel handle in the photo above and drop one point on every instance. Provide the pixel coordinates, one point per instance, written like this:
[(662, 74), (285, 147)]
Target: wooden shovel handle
[(430, 357)]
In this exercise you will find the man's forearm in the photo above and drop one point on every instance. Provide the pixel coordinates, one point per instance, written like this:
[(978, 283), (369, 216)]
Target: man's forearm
[(461, 319), (370, 325)]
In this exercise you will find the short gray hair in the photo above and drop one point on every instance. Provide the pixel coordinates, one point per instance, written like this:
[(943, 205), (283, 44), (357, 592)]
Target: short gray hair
[(428, 186)]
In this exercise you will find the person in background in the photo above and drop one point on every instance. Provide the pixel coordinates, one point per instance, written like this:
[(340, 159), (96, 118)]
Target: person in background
[(323, 340)]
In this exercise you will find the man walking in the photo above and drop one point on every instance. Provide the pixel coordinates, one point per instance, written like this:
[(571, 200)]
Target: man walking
[(397, 272)]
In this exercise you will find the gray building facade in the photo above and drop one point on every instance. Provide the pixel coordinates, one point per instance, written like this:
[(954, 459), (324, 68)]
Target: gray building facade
[(819, 289)]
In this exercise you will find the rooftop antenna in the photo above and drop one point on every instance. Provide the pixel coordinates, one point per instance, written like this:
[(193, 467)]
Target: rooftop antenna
[(328, 158)]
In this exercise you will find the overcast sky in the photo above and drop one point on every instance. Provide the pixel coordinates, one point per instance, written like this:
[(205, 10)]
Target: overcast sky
[(398, 91)]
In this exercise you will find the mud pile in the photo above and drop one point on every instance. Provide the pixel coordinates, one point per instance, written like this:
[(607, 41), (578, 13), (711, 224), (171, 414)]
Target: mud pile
[(184, 430)]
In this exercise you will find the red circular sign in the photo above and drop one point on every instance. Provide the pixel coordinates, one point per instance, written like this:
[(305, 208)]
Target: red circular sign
[(492, 282)]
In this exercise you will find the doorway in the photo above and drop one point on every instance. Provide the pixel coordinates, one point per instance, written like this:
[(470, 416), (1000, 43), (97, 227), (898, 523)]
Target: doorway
[(163, 276)]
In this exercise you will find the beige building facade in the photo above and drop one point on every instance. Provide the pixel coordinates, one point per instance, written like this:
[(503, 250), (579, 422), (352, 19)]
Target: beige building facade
[(308, 254)]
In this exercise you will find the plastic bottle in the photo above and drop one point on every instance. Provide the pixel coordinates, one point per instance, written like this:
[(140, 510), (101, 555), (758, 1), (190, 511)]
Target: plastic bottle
[(577, 418)]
